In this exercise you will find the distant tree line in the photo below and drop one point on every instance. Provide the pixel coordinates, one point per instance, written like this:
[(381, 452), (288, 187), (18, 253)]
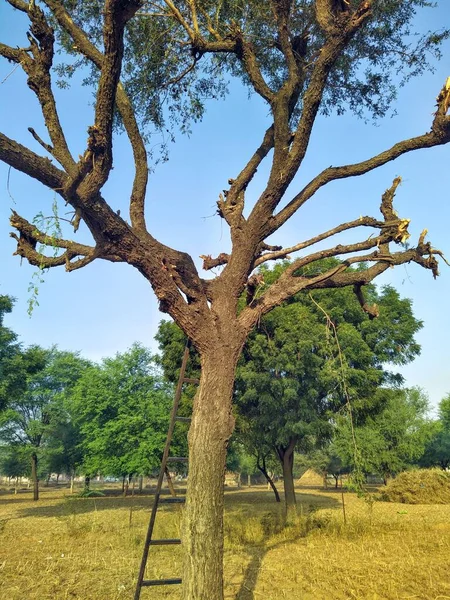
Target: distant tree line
[(312, 386)]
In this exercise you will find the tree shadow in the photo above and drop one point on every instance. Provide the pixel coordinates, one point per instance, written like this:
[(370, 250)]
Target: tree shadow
[(72, 504), (308, 503)]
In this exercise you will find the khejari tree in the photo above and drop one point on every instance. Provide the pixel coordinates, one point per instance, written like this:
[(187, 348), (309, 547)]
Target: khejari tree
[(301, 57)]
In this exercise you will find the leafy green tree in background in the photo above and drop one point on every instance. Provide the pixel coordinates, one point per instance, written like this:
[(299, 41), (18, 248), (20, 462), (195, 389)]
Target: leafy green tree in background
[(16, 363), (293, 376), (303, 58), (308, 358), (31, 419), (391, 440), (64, 450), (122, 408), (437, 450), (14, 462), (9, 350)]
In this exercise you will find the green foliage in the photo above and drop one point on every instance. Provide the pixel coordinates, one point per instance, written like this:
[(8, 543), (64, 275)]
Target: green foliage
[(324, 461), (437, 451), (364, 79), (297, 371), (239, 460), (14, 461), (9, 350), (305, 361), (444, 412), (421, 486), (51, 227), (16, 364), (122, 408), (392, 439), (33, 418)]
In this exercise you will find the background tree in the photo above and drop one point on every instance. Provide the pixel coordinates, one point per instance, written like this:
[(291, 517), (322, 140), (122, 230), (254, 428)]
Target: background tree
[(390, 441), (437, 450), (309, 358), (15, 362), (30, 419), (303, 363), (122, 409), (9, 349), (302, 58), (64, 450), (14, 462)]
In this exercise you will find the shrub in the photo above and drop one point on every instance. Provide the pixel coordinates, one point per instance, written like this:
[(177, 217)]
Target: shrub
[(421, 486)]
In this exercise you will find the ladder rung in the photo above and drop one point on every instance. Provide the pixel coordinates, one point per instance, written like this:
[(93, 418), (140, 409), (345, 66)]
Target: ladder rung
[(191, 380), (167, 542), (172, 500), (149, 582), (183, 419), (182, 459)]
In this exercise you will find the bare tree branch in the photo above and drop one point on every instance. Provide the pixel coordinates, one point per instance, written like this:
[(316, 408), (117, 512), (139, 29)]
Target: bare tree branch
[(98, 155), (234, 199), (125, 108), (26, 161), (392, 229), (37, 61), (371, 309), (30, 236), (439, 135), (284, 252), (288, 157)]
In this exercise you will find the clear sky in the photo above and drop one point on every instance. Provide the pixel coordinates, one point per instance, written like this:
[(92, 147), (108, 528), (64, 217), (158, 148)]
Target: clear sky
[(104, 308)]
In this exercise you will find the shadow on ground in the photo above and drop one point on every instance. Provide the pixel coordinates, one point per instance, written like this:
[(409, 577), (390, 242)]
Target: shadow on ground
[(66, 503), (245, 501), (240, 501)]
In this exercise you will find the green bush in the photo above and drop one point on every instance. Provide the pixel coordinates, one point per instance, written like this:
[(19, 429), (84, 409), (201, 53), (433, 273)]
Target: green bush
[(421, 486)]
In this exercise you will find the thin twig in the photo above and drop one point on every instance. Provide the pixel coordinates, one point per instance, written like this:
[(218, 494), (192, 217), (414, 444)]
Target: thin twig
[(11, 72)]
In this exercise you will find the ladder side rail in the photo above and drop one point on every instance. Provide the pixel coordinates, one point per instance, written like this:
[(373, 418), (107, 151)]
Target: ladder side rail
[(165, 456)]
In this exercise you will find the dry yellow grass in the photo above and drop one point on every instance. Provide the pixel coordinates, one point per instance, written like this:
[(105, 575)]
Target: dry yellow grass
[(86, 549)]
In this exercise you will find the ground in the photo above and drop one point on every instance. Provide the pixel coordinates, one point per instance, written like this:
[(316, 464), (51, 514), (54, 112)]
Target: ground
[(63, 548)]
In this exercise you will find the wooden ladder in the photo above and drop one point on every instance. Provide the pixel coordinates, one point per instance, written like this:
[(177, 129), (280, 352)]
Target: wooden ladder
[(165, 461)]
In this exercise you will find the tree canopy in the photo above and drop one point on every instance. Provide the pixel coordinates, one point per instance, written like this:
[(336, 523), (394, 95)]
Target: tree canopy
[(391, 440), (122, 409), (437, 450), (31, 418), (304, 362), (16, 363)]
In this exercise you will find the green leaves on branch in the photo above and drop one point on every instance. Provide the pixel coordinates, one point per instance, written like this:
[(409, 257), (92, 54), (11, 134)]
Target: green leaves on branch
[(122, 409), (170, 75)]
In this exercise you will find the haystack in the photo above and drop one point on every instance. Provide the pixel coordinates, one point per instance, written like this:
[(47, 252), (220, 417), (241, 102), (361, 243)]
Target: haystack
[(310, 478)]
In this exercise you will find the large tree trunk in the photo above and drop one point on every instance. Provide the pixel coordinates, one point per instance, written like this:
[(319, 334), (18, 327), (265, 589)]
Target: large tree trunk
[(34, 476), (211, 427), (286, 456)]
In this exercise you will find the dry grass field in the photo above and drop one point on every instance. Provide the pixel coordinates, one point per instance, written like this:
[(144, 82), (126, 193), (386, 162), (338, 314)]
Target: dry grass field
[(66, 548)]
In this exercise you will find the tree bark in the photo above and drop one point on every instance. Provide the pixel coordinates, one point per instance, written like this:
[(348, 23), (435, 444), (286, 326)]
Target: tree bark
[(34, 476), (286, 456), (270, 481), (211, 427), (87, 483)]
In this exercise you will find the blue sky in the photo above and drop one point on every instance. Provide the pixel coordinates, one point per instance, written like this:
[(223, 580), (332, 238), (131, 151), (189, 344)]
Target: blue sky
[(104, 308)]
